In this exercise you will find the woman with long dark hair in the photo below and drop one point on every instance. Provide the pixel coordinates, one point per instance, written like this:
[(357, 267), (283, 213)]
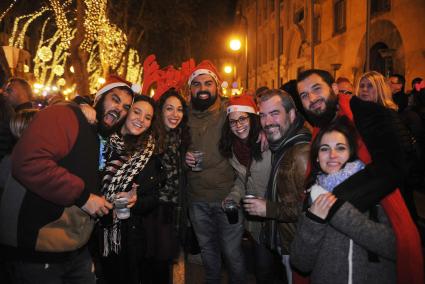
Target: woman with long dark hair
[(167, 223), (132, 169), (252, 168)]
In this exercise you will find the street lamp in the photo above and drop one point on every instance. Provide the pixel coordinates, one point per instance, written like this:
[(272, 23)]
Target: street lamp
[(228, 69), (235, 44)]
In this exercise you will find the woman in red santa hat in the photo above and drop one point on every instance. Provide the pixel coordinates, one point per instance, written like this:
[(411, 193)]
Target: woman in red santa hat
[(252, 167)]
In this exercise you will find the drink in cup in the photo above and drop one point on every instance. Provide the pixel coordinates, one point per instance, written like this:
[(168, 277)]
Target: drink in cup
[(121, 208), (231, 210), (199, 156)]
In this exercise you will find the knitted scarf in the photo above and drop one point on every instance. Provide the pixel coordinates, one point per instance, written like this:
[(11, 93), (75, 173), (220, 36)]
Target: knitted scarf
[(242, 151), (409, 255), (170, 191), (269, 235), (330, 181), (120, 171)]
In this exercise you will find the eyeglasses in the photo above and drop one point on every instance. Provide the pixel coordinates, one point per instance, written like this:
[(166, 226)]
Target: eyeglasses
[(241, 120)]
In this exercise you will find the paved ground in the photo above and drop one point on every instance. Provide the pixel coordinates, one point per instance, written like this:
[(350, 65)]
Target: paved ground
[(190, 271)]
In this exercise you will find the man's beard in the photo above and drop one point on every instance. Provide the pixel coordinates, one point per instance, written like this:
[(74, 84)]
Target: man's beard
[(283, 130), (202, 104), (103, 129), (322, 119)]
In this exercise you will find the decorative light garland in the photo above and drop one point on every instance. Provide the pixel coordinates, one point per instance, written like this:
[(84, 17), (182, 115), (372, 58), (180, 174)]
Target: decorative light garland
[(20, 40), (95, 14), (15, 28), (7, 10), (62, 22), (104, 41), (112, 43)]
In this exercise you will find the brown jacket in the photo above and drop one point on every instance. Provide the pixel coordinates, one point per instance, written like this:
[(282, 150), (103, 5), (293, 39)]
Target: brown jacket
[(214, 182), (288, 182)]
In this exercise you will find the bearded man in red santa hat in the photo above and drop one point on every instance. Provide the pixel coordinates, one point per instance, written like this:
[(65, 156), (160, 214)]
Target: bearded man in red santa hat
[(209, 187)]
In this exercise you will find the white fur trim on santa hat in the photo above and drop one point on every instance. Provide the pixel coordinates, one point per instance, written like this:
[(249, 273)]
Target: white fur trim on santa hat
[(110, 87), (240, 108), (137, 89), (201, 72)]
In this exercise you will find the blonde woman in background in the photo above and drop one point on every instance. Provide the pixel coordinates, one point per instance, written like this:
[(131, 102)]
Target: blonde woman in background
[(372, 87)]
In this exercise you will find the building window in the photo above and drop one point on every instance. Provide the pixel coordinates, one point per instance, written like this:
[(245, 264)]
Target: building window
[(280, 40), (316, 30), (379, 6), (299, 16), (339, 16), (259, 54), (272, 47)]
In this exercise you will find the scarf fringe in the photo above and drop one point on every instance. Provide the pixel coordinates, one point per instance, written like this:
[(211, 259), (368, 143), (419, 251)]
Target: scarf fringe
[(112, 239)]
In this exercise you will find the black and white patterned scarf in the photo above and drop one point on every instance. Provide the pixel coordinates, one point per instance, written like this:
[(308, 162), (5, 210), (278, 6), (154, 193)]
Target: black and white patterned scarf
[(119, 174)]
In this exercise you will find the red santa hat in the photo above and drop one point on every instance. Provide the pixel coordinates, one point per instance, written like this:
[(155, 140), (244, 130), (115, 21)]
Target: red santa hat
[(205, 67), (114, 81), (244, 103)]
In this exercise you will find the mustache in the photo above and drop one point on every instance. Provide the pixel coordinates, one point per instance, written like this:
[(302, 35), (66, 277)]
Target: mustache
[(116, 113), (203, 93), (316, 102), (271, 126)]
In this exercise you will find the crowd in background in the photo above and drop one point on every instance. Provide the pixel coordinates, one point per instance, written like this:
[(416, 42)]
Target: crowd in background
[(319, 176)]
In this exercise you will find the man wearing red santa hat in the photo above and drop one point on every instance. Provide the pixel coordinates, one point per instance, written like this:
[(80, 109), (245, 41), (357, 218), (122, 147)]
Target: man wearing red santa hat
[(53, 213), (209, 187)]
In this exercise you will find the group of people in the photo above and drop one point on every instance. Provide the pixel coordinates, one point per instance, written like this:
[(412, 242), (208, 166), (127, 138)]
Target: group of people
[(313, 173)]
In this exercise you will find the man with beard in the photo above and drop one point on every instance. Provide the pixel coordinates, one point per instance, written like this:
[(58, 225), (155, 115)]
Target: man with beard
[(48, 220), (397, 82), (379, 147), (289, 142), (111, 103), (209, 187)]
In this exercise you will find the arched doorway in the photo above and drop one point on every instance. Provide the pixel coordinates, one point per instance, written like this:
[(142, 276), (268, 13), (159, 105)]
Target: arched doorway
[(380, 59), (377, 62), (386, 53)]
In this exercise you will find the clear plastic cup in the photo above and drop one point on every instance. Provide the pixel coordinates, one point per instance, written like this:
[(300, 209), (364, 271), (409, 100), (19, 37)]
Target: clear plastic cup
[(199, 157), (121, 209)]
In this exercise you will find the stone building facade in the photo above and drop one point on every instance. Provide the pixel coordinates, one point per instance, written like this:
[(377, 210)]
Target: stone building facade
[(280, 35)]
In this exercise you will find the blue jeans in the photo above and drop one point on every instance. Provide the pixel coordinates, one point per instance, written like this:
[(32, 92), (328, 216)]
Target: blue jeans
[(76, 270), (216, 236)]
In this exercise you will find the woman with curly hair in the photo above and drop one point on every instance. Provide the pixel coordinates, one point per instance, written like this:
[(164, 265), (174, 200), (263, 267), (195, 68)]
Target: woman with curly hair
[(133, 170)]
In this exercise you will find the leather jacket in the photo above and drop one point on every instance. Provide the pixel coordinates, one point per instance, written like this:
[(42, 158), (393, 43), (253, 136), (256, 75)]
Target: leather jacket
[(288, 181)]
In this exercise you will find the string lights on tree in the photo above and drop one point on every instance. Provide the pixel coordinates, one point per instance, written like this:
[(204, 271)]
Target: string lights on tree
[(7, 10), (104, 42)]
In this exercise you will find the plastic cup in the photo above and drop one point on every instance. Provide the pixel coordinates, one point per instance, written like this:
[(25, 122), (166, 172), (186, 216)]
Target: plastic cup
[(231, 210), (121, 209), (249, 196), (199, 157)]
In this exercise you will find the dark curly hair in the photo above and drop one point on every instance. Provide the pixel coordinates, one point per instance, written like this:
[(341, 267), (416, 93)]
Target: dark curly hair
[(185, 133), (227, 136), (134, 143)]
